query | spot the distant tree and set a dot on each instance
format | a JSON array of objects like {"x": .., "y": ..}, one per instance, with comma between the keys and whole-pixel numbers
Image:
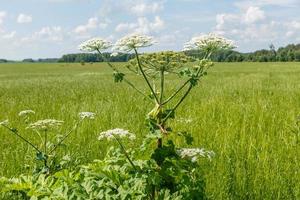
[
  {"x": 297, "y": 55},
  {"x": 28, "y": 60}
]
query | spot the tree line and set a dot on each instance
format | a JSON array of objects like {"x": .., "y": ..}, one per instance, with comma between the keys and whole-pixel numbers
[
  {"x": 283, "y": 54},
  {"x": 288, "y": 53}
]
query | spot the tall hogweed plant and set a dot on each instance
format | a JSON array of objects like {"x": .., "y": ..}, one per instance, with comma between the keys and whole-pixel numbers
[{"x": 157, "y": 169}]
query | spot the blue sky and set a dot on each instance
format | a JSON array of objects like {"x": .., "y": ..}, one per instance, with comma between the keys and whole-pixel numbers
[{"x": 50, "y": 28}]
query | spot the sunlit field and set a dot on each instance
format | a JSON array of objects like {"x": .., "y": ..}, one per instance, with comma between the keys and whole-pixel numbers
[{"x": 245, "y": 112}]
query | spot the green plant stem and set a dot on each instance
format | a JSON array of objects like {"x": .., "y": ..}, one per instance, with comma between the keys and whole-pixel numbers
[
  {"x": 182, "y": 98},
  {"x": 207, "y": 55},
  {"x": 22, "y": 138},
  {"x": 124, "y": 79},
  {"x": 45, "y": 142},
  {"x": 125, "y": 153},
  {"x": 162, "y": 84},
  {"x": 176, "y": 92},
  {"x": 128, "y": 82},
  {"x": 144, "y": 75},
  {"x": 65, "y": 136}
]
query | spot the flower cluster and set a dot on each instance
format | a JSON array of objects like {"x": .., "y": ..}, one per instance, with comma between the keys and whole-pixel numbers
[
  {"x": 209, "y": 43},
  {"x": 133, "y": 41},
  {"x": 195, "y": 153},
  {"x": 87, "y": 115},
  {"x": 26, "y": 112},
  {"x": 95, "y": 44},
  {"x": 116, "y": 133},
  {"x": 167, "y": 61},
  {"x": 45, "y": 124},
  {"x": 4, "y": 123}
]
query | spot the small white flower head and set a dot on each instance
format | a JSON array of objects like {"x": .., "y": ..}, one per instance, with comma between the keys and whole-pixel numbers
[
  {"x": 195, "y": 153},
  {"x": 95, "y": 44},
  {"x": 185, "y": 120},
  {"x": 114, "y": 54},
  {"x": 4, "y": 123},
  {"x": 133, "y": 41},
  {"x": 87, "y": 115},
  {"x": 209, "y": 43},
  {"x": 116, "y": 133},
  {"x": 25, "y": 113},
  {"x": 46, "y": 124}
]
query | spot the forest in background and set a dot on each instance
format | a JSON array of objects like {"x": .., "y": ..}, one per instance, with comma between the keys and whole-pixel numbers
[{"x": 289, "y": 53}]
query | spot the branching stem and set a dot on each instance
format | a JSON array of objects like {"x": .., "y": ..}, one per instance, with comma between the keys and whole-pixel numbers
[{"x": 144, "y": 75}]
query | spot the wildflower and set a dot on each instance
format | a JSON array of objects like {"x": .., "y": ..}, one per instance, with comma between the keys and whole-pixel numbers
[
  {"x": 88, "y": 115},
  {"x": 26, "y": 112},
  {"x": 4, "y": 123},
  {"x": 183, "y": 120},
  {"x": 45, "y": 124},
  {"x": 195, "y": 153},
  {"x": 209, "y": 43},
  {"x": 119, "y": 133},
  {"x": 95, "y": 44},
  {"x": 114, "y": 54},
  {"x": 133, "y": 41}
]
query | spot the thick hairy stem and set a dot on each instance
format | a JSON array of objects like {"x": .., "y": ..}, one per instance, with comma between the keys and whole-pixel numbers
[
  {"x": 159, "y": 143},
  {"x": 125, "y": 153},
  {"x": 144, "y": 76}
]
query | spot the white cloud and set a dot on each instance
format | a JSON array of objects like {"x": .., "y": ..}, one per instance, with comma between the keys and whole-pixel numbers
[
  {"x": 2, "y": 16},
  {"x": 292, "y": 29},
  {"x": 145, "y": 8},
  {"x": 143, "y": 25},
  {"x": 227, "y": 22},
  {"x": 23, "y": 18},
  {"x": 224, "y": 20},
  {"x": 10, "y": 35},
  {"x": 282, "y": 3},
  {"x": 92, "y": 24},
  {"x": 252, "y": 29},
  {"x": 53, "y": 33},
  {"x": 254, "y": 14}
]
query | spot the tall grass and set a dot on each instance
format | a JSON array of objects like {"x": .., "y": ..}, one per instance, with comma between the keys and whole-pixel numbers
[{"x": 242, "y": 111}]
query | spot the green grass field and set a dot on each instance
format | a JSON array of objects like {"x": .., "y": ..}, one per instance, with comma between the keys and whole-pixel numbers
[{"x": 243, "y": 111}]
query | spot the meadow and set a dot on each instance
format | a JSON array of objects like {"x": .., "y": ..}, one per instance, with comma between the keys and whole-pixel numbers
[{"x": 244, "y": 112}]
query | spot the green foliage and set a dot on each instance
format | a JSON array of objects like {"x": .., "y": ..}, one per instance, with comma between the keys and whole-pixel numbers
[
  {"x": 282, "y": 54},
  {"x": 113, "y": 178},
  {"x": 118, "y": 77},
  {"x": 91, "y": 57},
  {"x": 242, "y": 112}
]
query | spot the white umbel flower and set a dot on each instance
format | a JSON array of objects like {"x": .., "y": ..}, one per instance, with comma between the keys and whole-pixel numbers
[
  {"x": 118, "y": 132},
  {"x": 95, "y": 44},
  {"x": 195, "y": 153},
  {"x": 87, "y": 115},
  {"x": 209, "y": 43},
  {"x": 26, "y": 112},
  {"x": 4, "y": 123},
  {"x": 114, "y": 54},
  {"x": 45, "y": 124},
  {"x": 133, "y": 41}
]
